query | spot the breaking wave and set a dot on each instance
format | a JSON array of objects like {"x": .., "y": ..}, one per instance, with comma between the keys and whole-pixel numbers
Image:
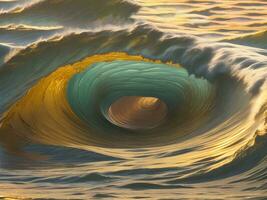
[{"x": 141, "y": 100}]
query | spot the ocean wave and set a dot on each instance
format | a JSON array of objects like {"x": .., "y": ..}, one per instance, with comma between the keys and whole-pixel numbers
[
  {"x": 6, "y": 5},
  {"x": 23, "y": 35},
  {"x": 204, "y": 60},
  {"x": 256, "y": 40},
  {"x": 134, "y": 97},
  {"x": 60, "y": 13},
  {"x": 4, "y": 50},
  {"x": 216, "y": 62}
]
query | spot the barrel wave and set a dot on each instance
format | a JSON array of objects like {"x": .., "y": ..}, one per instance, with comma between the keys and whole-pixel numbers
[{"x": 91, "y": 108}]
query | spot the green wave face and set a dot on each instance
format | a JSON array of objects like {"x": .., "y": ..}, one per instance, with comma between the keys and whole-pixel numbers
[{"x": 169, "y": 90}]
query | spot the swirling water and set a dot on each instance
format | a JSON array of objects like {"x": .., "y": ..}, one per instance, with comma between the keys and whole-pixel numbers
[{"x": 140, "y": 99}]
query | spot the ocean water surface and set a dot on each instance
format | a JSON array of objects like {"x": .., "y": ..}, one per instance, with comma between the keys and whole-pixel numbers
[{"x": 115, "y": 99}]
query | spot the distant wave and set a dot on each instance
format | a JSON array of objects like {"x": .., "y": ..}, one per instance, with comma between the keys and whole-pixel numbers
[
  {"x": 21, "y": 35},
  {"x": 58, "y": 13},
  {"x": 8, "y": 5},
  {"x": 257, "y": 40}
]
